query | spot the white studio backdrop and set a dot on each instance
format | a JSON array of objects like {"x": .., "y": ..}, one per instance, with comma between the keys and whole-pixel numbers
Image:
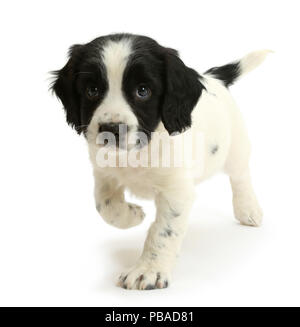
[{"x": 56, "y": 250}]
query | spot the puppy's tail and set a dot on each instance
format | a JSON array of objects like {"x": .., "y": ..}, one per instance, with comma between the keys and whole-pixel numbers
[{"x": 229, "y": 73}]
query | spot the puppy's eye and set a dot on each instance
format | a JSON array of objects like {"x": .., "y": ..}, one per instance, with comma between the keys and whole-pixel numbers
[
  {"x": 92, "y": 92},
  {"x": 142, "y": 92}
]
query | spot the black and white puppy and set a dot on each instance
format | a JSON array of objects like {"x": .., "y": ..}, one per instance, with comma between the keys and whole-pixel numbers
[{"x": 132, "y": 82}]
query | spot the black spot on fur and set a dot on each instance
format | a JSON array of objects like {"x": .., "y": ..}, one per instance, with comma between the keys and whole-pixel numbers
[
  {"x": 227, "y": 73},
  {"x": 167, "y": 232},
  {"x": 107, "y": 202},
  {"x": 174, "y": 213},
  {"x": 153, "y": 255},
  {"x": 214, "y": 149},
  {"x": 150, "y": 287}
]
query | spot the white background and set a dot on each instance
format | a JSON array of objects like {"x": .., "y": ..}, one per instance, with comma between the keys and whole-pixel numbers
[{"x": 56, "y": 250}]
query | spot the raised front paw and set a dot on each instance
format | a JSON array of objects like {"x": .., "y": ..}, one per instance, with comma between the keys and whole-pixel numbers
[
  {"x": 135, "y": 215},
  {"x": 144, "y": 278},
  {"x": 121, "y": 214}
]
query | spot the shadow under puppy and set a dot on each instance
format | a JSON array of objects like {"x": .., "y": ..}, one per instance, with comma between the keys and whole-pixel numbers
[{"x": 132, "y": 81}]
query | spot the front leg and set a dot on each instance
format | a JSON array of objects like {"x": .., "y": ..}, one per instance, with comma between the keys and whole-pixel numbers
[
  {"x": 111, "y": 204},
  {"x": 164, "y": 239}
]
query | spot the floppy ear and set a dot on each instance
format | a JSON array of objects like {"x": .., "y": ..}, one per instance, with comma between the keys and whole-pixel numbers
[
  {"x": 64, "y": 88},
  {"x": 183, "y": 90}
]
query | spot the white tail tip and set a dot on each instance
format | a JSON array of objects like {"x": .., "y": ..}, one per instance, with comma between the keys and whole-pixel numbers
[{"x": 252, "y": 60}]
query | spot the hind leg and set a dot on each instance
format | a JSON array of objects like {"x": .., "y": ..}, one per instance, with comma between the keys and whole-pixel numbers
[{"x": 246, "y": 207}]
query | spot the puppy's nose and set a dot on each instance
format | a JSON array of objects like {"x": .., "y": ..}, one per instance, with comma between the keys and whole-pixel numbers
[
  {"x": 118, "y": 130},
  {"x": 111, "y": 127}
]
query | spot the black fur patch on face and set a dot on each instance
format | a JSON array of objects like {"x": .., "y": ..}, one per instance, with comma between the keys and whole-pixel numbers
[
  {"x": 145, "y": 67},
  {"x": 227, "y": 73},
  {"x": 84, "y": 69},
  {"x": 175, "y": 88}
]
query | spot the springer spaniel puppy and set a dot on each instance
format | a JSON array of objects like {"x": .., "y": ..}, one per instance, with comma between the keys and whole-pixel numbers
[{"x": 130, "y": 83}]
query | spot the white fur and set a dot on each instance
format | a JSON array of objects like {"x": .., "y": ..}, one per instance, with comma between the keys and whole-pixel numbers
[
  {"x": 217, "y": 117},
  {"x": 114, "y": 107},
  {"x": 252, "y": 60}
]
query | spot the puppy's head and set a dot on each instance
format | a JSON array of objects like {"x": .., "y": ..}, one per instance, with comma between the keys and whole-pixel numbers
[{"x": 126, "y": 82}]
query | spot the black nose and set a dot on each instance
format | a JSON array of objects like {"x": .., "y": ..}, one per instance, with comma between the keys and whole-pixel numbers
[
  {"x": 111, "y": 127},
  {"x": 118, "y": 130}
]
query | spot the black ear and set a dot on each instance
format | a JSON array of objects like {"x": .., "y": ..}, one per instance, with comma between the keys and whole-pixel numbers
[
  {"x": 65, "y": 89},
  {"x": 183, "y": 90}
]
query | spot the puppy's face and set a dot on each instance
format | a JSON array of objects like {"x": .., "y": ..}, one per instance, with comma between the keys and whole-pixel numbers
[{"x": 126, "y": 83}]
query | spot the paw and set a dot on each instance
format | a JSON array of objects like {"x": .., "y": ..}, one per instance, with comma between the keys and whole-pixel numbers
[
  {"x": 135, "y": 215},
  {"x": 144, "y": 278},
  {"x": 121, "y": 214},
  {"x": 247, "y": 211}
]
